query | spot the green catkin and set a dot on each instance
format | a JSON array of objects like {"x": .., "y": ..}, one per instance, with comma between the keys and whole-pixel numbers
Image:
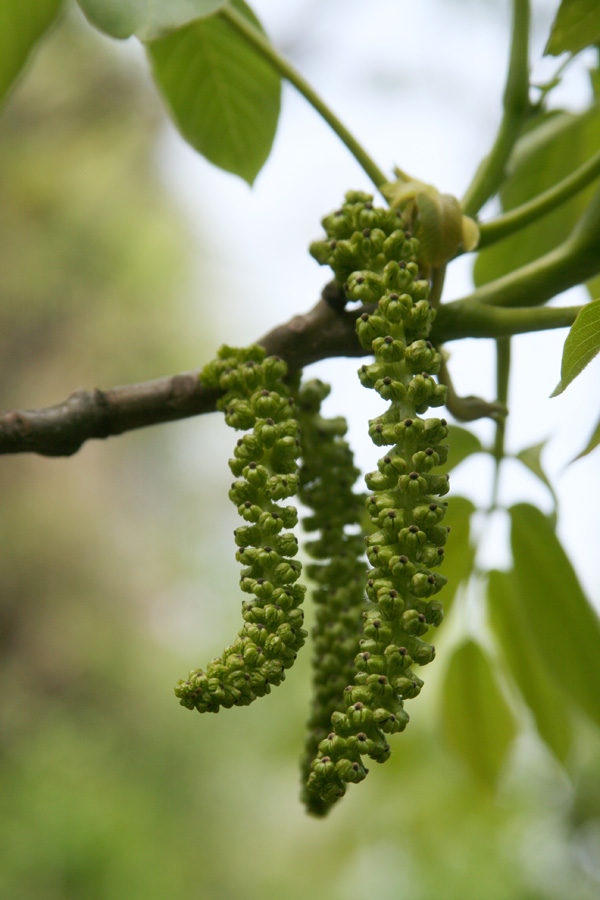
[
  {"x": 375, "y": 258},
  {"x": 265, "y": 464},
  {"x": 327, "y": 476}
]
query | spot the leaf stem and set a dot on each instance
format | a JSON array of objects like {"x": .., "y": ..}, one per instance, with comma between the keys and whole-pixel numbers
[
  {"x": 268, "y": 52},
  {"x": 490, "y": 174},
  {"x": 502, "y": 379},
  {"x": 468, "y": 318},
  {"x": 522, "y": 215}
]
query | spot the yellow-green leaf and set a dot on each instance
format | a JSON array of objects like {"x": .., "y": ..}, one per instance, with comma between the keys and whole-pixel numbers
[
  {"x": 147, "y": 19},
  {"x": 581, "y": 346},
  {"x": 591, "y": 444},
  {"x": 22, "y": 23},
  {"x": 577, "y": 25},
  {"x": 477, "y": 720},
  {"x": 559, "y": 620},
  {"x": 522, "y": 658},
  {"x": 532, "y": 458},
  {"x": 460, "y": 551},
  {"x": 462, "y": 443},
  {"x": 223, "y": 96}
]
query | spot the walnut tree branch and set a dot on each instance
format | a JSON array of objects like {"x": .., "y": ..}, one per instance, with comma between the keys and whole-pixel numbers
[
  {"x": 327, "y": 330},
  {"x": 60, "y": 430}
]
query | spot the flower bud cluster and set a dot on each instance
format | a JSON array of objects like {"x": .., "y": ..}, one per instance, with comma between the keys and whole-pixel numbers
[
  {"x": 408, "y": 537},
  {"x": 265, "y": 464},
  {"x": 327, "y": 476}
]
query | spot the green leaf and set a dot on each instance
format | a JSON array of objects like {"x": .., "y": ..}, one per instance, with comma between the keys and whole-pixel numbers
[
  {"x": 577, "y": 25},
  {"x": 22, "y": 23},
  {"x": 476, "y": 718},
  {"x": 223, "y": 96},
  {"x": 459, "y": 557},
  {"x": 557, "y": 145},
  {"x": 592, "y": 443},
  {"x": 147, "y": 19},
  {"x": 505, "y": 604},
  {"x": 560, "y": 622},
  {"x": 531, "y": 457},
  {"x": 462, "y": 443},
  {"x": 581, "y": 346}
]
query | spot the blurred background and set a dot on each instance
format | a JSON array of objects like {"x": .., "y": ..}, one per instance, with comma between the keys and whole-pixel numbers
[{"x": 124, "y": 257}]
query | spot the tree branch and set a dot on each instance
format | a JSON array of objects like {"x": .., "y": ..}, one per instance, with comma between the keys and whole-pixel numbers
[
  {"x": 328, "y": 330},
  {"x": 60, "y": 430}
]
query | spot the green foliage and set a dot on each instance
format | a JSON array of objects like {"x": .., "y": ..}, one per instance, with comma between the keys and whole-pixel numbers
[
  {"x": 548, "y": 703},
  {"x": 254, "y": 396},
  {"x": 459, "y": 557},
  {"x": 557, "y": 616},
  {"x": 147, "y": 19},
  {"x": 22, "y": 23},
  {"x": 223, "y": 96},
  {"x": 90, "y": 747},
  {"x": 554, "y": 145},
  {"x": 531, "y": 457},
  {"x": 592, "y": 443},
  {"x": 581, "y": 346},
  {"x": 577, "y": 25},
  {"x": 476, "y": 719},
  {"x": 463, "y": 443}
]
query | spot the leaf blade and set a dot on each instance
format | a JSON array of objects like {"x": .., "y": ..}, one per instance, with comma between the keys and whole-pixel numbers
[
  {"x": 509, "y": 626},
  {"x": 477, "y": 720},
  {"x": 22, "y": 24},
  {"x": 563, "y": 626},
  {"x": 224, "y": 98},
  {"x": 145, "y": 19},
  {"x": 577, "y": 25},
  {"x": 581, "y": 345},
  {"x": 591, "y": 444},
  {"x": 462, "y": 443},
  {"x": 459, "y": 558},
  {"x": 531, "y": 457}
]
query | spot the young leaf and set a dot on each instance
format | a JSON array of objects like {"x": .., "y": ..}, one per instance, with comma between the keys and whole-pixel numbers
[
  {"x": 577, "y": 25},
  {"x": 460, "y": 551},
  {"x": 522, "y": 658},
  {"x": 22, "y": 23},
  {"x": 463, "y": 443},
  {"x": 560, "y": 622},
  {"x": 555, "y": 147},
  {"x": 581, "y": 346},
  {"x": 147, "y": 19},
  {"x": 476, "y": 719},
  {"x": 531, "y": 457},
  {"x": 223, "y": 96},
  {"x": 591, "y": 444}
]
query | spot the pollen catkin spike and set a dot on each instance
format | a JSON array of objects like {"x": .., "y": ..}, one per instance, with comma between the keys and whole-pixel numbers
[
  {"x": 407, "y": 538},
  {"x": 327, "y": 477},
  {"x": 264, "y": 464}
]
